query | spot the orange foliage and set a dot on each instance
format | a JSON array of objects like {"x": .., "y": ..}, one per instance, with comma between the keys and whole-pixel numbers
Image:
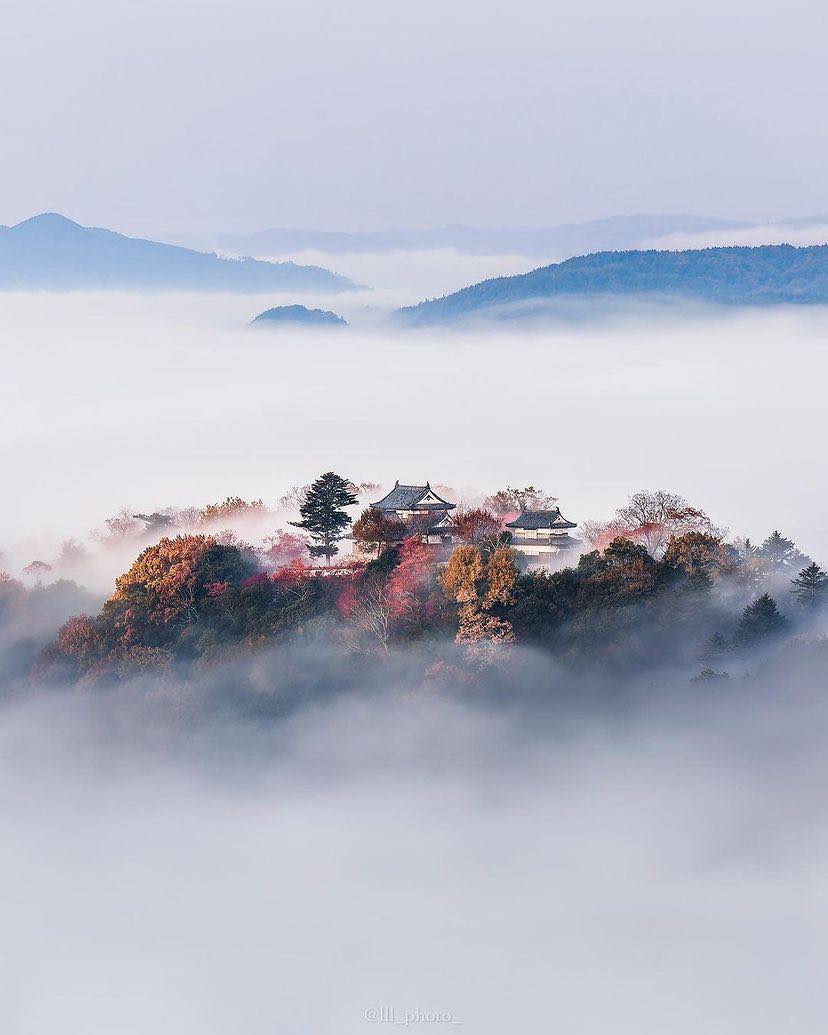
[
  {"x": 460, "y": 576},
  {"x": 168, "y": 582}
]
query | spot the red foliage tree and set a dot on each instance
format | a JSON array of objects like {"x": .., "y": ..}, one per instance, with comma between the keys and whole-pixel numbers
[
  {"x": 476, "y": 527},
  {"x": 373, "y": 530},
  {"x": 409, "y": 581},
  {"x": 651, "y": 519},
  {"x": 284, "y": 548},
  {"x": 290, "y": 574}
]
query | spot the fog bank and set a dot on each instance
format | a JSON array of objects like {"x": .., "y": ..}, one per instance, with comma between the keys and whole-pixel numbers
[
  {"x": 145, "y": 402},
  {"x": 659, "y": 870}
]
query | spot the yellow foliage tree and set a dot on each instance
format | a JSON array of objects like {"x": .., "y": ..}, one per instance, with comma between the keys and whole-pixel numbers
[
  {"x": 477, "y": 585},
  {"x": 462, "y": 573}
]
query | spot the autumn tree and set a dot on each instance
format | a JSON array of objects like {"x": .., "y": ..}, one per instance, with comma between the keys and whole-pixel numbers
[
  {"x": 478, "y": 585},
  {"x": 119, "y": 528},
  {"x": 477, "y": 527},
  {"x": 369, "y": 610},
  {"x": 79, "y": 646},
  {"x": 167, "y": 586},
  {"x": 373, "y": 531},
  {"x": 810, "y": 587},
  {"x": 411, "y": 575},
  {"x": 230, "y": 509},
  {"x": 508, "y": 501},
  {"x": 187, "y": 518},
  {"x": 322, "y": 515},
  {"x": 293, "y": 498},
  {"x": 651, "y": 518},
  {"x": 702, "y": 557},
  {"x": 463, "y": 574},
  {"x": 500, "y": 578},
  {"x": 284, "y": 548}
]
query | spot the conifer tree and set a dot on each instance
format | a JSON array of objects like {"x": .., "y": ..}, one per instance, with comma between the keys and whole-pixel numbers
[
  {"x": 715, "y": 647},
  {"x": 781, "y": 554},
  {"x": 322, "y": 515},
  {"x": 810, "y": 586},
  {"x": 759, "y": 620}
]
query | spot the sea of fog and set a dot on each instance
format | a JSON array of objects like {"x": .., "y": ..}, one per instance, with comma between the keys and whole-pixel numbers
[
  {"x": 114, "y": 400},
  {"x": 396, "y": 858},
  {"x": 405, "y": 861}
]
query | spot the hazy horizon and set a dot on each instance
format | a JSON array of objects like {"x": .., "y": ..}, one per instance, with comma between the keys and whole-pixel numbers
[
  {"x": 184, "y": 117},
  {"x": 270, "y": 762}
]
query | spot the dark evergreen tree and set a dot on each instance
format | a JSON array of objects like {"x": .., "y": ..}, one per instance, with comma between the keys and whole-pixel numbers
[
  {"x": 810, "y": 586},
  {"x": 322, "y": 515},
  {"x": 759, "y": 620},
  {"x": 715, "y": 647},
  {"x": 781, "y": 554}
]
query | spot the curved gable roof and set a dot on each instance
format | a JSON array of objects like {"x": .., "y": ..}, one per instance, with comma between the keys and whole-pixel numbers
[
  {"x": 408, "y": 497},
  {"x": 541, "y": 519}
]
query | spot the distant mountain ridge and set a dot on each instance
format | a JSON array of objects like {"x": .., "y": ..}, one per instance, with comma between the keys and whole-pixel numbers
[
  {"x": 764, "y": 275},
  {"x": 615, "y": 232},
  {"x": 51, "y": 252}
]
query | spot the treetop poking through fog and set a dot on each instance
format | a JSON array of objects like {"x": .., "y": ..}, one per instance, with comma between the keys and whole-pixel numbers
[{"x": 656, "y": 586}]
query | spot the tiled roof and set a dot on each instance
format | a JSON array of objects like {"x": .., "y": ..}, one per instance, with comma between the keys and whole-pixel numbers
[
  {"x": 420, "y": 524},
  {"x": 563, "y": 542},
  {"x": 407, "y": 497},
  {"x": 541, "y": 519}
]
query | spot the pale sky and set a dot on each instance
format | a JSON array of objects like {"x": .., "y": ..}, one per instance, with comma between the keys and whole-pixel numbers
[{"x": 188, "y": 116}]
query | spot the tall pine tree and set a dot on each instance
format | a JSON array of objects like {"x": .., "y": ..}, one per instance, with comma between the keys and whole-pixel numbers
[
  {"x": 322, "y": 515},
  {"x": 810, "y": 586}
]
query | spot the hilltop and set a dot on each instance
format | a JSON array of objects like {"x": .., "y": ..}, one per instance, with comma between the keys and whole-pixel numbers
[
  {"x": 54, "y": 253},
  {"x": 298, "y": 315},
  {"x": 767, "y": 275}
]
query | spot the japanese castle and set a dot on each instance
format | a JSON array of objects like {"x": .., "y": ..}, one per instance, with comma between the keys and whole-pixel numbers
[
  {"x": 418, "y": 509},
  {"x": 537, "y": 534}
]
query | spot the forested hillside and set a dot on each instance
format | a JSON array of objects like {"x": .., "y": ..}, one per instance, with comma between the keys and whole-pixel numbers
[{"x": 769, "y": 275}]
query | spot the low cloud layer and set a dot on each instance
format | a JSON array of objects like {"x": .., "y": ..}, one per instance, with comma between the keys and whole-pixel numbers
[
  {"x": 641, "y": 867},
  {"x": 798, "y": 233},
  {"x": 166, "y": 400}
]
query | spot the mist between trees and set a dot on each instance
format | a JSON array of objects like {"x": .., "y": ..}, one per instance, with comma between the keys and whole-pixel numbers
[
  {"x": 655, "y": 588},
  {"x": 484, "y": 781}
]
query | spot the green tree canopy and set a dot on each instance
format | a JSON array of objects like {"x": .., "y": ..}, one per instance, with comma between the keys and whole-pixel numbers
[
  {"x": 759, "y": 620},
  {"x": 322, "y": 515},
  {"x": 810, "y": 585}
]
